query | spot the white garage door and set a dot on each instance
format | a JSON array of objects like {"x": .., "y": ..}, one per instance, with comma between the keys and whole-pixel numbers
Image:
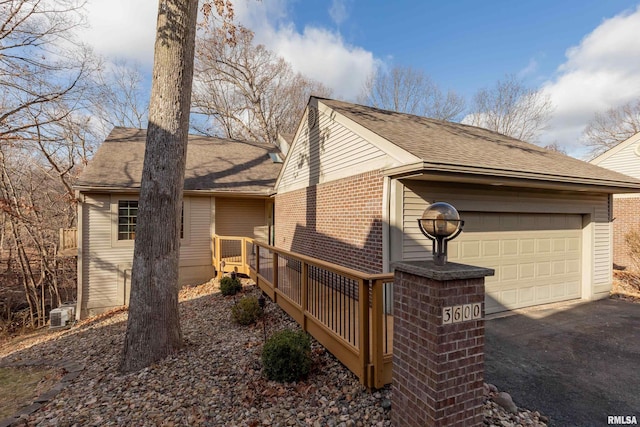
[{"x": 536, "y": 257}]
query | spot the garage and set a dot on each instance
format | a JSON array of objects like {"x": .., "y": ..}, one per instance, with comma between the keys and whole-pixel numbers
[
  {"x": 539, "y": 242},
  {"x": 536, "y": 257}
]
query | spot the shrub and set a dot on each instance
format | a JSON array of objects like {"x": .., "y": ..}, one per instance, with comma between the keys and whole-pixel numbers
[
  {"x": 286, "y": 356},
  {"x": 230, "y": 285},
  {"x": 246, "y": 311}
]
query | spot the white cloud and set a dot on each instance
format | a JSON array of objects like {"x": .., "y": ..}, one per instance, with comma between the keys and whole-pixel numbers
[
  {"x": 319, "y": 53},
  {"x": 324, "y": 56},
  {"x": 123, "y": 29},
  {"x": 602, "y": 72}
]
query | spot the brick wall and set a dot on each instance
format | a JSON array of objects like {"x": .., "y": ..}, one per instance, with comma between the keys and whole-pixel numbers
[
  {"x": 626, "y": 212},
  {"x": 438, "y": 369},
  {"x": 339, "y": 221}
]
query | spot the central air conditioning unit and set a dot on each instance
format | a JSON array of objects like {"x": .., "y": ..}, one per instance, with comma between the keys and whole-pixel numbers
[{"x": 62, "y": 316}]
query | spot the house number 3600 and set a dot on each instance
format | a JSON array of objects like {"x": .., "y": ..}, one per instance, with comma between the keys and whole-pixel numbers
[{"x": 461, "y": 313}]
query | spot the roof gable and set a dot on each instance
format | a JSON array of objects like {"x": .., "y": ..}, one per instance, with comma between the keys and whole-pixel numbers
[
  {"x": 623, "y": 158},
  {"x": 457, "y": 147},
  {"x": 213, "y": 164},
  {"x": 328, "y": 146}
]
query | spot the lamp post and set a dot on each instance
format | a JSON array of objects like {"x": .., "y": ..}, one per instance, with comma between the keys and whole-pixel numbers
[{"x": 440, "y": 222}]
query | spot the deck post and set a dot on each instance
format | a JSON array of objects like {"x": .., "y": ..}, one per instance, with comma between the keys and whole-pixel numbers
[
  {"x": 243, "y": 256},
  {"x": 218, "y": 256},
  {"x": 377, "y": 338},
  {"x": 438, "y": 344},
  {"x": 364, "y": 330}
]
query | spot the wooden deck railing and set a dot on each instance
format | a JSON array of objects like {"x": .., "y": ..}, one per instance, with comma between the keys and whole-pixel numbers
[
  {"x": 68, "y": 244},
  {"x": 346, "y": 310},
  {"x": 229, "y": 254}
]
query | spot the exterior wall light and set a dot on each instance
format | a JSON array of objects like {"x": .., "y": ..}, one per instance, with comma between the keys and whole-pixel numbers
[{"x": 440, "y": 222}]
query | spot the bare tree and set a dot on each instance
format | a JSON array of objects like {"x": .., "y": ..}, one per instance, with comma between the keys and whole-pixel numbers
[
  {"x": 407, "y": 90},
  {"x": 555, "y": 146},
  {"x": 34, "y": 67},
  {"x": 119, "y": 98},
  {"x": 511, "y": 108},
  {"x": 35, "y": 203},
  {"x": 43, "y": 85},
  {"x": 247, "y": 91},
  {"x": 608, "y": 129},
  {"x": 153, "y": 326}
]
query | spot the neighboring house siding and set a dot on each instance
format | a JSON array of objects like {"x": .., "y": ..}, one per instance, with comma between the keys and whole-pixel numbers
[
  {"x": 626, "y": 214},
  {"x": 106, "y": 262},
  {"x": 626, "y": 207},
  {"x": 339, "y": 221},
  {"x": 594, "y": 209},
  {"x": 324, "y": 151},
  {"x": 626, "y": 161}
]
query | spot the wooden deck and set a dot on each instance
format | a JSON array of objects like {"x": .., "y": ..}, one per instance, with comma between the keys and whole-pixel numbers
[{"x": 344, "y": 309}]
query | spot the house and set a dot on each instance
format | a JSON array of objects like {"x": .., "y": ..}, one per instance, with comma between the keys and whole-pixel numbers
[
  {"x": 227, "y": 190},
  {"x": 623, "y": 158},
  {"x": 356, "y": 179}
]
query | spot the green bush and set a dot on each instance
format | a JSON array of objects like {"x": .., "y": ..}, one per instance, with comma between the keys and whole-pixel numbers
[
  {"x": 230, "y": 285},
  {"x": 286, "y": 356},
  {"x": 246, "y": 311}
]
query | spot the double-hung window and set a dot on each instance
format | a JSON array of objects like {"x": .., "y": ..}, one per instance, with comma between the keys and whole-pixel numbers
[
  {"x": 127, "y": 218},
  {"x": 127, "y": 213}
]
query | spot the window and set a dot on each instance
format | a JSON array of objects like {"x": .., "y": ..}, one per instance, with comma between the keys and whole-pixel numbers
[{"x": 127, "y": 217}]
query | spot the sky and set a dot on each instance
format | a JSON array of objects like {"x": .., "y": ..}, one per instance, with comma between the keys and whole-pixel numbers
[{"x": 584, "y": 54}]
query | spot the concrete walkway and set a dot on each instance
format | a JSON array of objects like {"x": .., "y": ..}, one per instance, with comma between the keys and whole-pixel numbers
[{"x": 575, "y": 363}]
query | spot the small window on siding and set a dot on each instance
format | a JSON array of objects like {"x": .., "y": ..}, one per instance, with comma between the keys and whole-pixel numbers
[{"x": 127, "y": 218}]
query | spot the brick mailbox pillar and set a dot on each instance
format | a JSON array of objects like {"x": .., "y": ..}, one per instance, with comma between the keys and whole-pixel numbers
[{"x": 438, "y": 344}]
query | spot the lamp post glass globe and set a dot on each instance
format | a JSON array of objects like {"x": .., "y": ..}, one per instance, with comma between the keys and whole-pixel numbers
[
  {"x": 440, "y": 222},
  {"x": 440, "y": 219}
]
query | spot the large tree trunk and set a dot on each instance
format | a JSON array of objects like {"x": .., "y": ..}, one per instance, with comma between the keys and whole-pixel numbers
[{"x": 153, "y": 328}]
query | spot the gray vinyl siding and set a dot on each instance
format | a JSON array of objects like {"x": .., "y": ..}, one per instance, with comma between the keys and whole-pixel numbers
[
  {"x": 593, "y": 206},
  {"x": 106, "y": 262},
  {"x": 327, "y": 152},
  {"x": 603, "y": 247},
  {"x": 100, "y": 259},
  {"x": 196, "y": 250},
  {"x": 625, "y": 161}
]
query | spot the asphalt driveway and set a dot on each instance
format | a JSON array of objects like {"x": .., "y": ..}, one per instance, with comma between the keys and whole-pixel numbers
[{"x": 577, "y": 364}]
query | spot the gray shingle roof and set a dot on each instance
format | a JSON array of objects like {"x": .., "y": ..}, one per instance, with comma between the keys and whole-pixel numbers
[
  {"x": 213, "y": 164},
  {"x": 443, "y": 143}
]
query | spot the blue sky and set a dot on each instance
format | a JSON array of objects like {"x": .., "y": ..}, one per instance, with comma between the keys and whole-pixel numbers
[
  {"x": 584, "y": 54},
  {"x": 466, "y": 44}
]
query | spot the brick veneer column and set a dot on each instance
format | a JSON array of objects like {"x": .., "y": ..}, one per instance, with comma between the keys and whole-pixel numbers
[{"x": 438, "y": 369}]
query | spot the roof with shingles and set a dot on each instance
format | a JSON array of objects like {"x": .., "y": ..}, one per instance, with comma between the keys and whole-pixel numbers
[
  {"x": 213, "y": 164},
  {"x": 444, "y": 143}
]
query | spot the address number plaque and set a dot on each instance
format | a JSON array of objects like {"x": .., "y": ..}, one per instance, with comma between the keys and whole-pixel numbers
[{"x": 461, "y": 313}]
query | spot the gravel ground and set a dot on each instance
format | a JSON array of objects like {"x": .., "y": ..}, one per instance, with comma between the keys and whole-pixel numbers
[{"x": 215, "y": 380}]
